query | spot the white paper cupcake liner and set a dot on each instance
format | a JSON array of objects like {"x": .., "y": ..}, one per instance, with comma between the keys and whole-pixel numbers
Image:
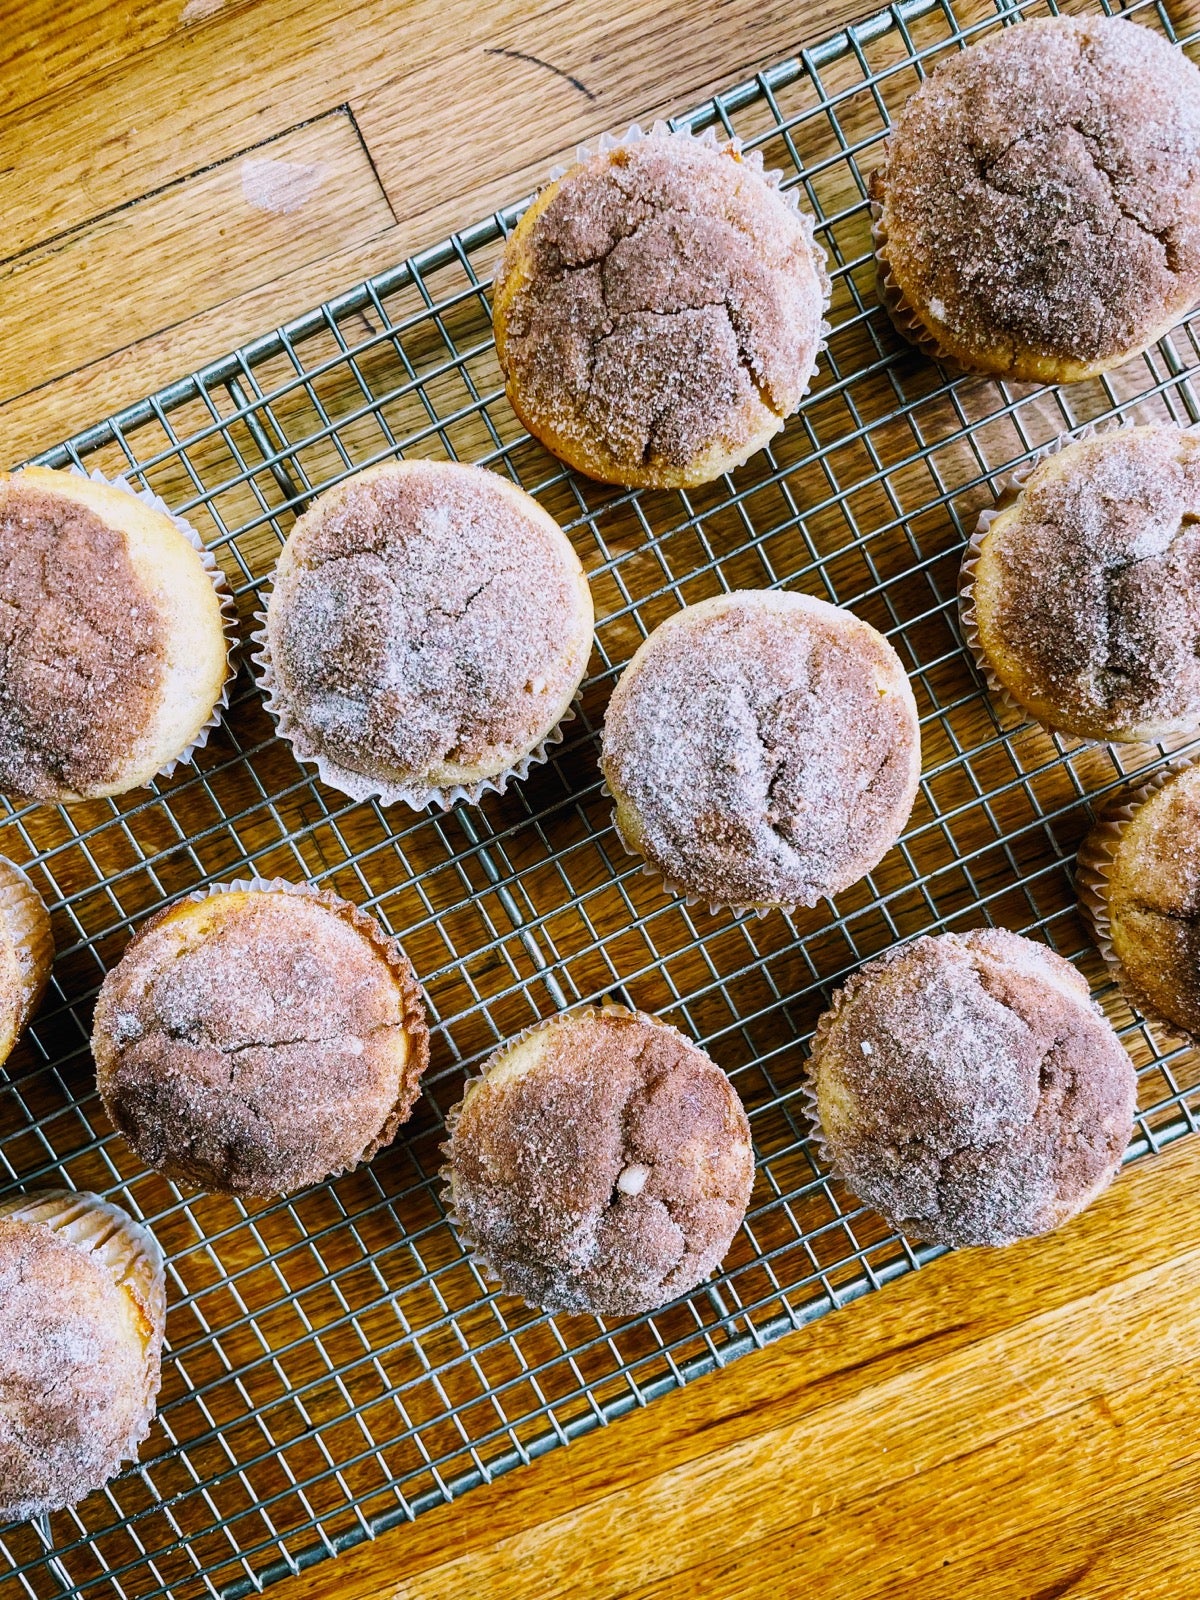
[
  {"x": 27, "y": 924},
  {"x": 360, "y": 786},
  {"x": 1008, "y": 487},
  {"x": 414, "y": 1020},
  {"x": 903, "y": 318},
  {"x": 126, "y": 1249},
  {"x": 808, "y": 1086},
  {"x": 753, "y": 159},
  {"x": 1093, "y": 870},
  {"x": 128, "y": 1252},
  {"x": 224, "y": 598}
]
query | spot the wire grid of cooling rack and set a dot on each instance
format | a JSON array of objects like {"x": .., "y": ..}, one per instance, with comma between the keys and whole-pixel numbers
[{"x": 336, "y": 1364}]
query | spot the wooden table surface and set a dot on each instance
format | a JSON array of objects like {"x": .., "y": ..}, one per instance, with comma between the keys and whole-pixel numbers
[{"x": 178, "y": 175}]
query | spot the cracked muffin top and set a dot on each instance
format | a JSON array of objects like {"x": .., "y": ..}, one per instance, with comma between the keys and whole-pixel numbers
[
  {"x": 1146, "y": 879},
  {"x": 602, "y": 1163},
  {"x": 1040, "y": 199},
  {"x": 658, "y": 312},
  {"x": 763, "y": 749},
  {"x": 259, "y": 1039},
  {"x": 428, "y": 628},
  {"x": 1086, "y": 587},
  {"x": 970, "y": 1090},
  {"x": 112, "y": 646}
]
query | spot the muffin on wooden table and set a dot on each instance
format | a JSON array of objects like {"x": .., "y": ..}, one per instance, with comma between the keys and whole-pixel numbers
[
  {"x": 112, "y": 641},
  {"x": 1139, "y": 883},
  {"x": 1038, "y": 206},
  {"x": 259, "y": 1037},
  {"x": 1081, "y": 595},
  {"x": 82, "y": 1314},
  {"x": 659, "y": 310},
  {"x": 763, "y": 749},
  {"x": 26, "y": 954},
  {"x": 427, "y": 631},
  {"x": 969, "y": 1089},
  {"x": 601, "y": 1163}
]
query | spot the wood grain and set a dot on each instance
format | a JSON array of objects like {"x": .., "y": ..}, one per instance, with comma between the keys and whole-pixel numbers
[
  {"x": 87, "y": 38},
  {"x": 1015, "y": 1425},
  {"x": 292, "y": 201},
  {"x": 425, "y": 103}
]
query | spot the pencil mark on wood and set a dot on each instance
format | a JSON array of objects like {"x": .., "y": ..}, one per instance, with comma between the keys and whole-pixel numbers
[{"x": 520, "y": 55}]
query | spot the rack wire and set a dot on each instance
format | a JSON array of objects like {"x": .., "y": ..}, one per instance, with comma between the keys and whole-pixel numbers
[{"x": 336, "y": 1363}]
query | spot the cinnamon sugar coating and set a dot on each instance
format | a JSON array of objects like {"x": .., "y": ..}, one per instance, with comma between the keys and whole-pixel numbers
[
  {"x": 1040, "y": 198},
  {"x": 601, "y": 1164},
  {"x": 1153, "y": 901},
  {"x": 658, "y": 312},
  {"x": 428, "y": 627},
  {"x": 970, "y": 1090},
  {"x": 1087, "y": 588},
  {"x": 254, "y": 1041},
  {"x": 82, "y": 646},
  {"x": 763, "y": 749},
  {"x": 79, "y": 1369}
]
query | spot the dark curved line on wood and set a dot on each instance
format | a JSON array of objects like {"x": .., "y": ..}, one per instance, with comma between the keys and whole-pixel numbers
[{"x": 520, "y": 55}]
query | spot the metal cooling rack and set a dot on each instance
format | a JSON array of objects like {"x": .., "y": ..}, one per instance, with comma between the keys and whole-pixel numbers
[{"x": 336, "y": 1364}]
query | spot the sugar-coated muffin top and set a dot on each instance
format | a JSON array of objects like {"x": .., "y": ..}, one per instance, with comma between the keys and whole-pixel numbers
[
  {"x": 763, "y": 749},
  {"x": 82, "y": 645},
  {"x": 1087, "y": 594},
  {"x": 429, "y": 625},
  {"x": 970, "y": 1090},
  {"x": 254, "y": 1041},
  {"x": 602, "y": 1164},
  {"x": 658, "y": 307},
  {"x": 78, "y": 1371},
  {"x": 1153, "y": 901},
  {"x": 1041, "y": 195}
]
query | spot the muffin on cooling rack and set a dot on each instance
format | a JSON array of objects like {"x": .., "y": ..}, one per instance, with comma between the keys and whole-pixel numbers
[
  {"x": 659, "y": 310},
  {"x": 112, "y": 641},
  {"x": 1081, "y": 596},
  {"x": 259, "y": 1037},
  {"x": 969, "y": 1089},
  {"x": 763, "y": 749},
  {"x": 82, "y": 1313},
  {"x": 26, "y": 954},
  {"x": 1038, "y": 206},
  {"x": 1139, "y": 883},
  {"x": 428, "y": 629},
  {"x": 601, "y": 1163}
]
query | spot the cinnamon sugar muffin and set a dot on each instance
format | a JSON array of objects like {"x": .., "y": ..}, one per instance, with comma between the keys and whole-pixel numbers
[
  {"x": 427, "y": 631},
  {"x": 1085, "y": 589},
  {"x": 601, "y": 1163},
  {"x": 970, "y": 1090},
  {"x": 112, "y": 644},
  {"x": 763, "y": 749},
  {"x": 259, "y": 1038},
  {"x": 1139, "y": 882},
  {"x": 1039, "y": 200},
  {"x": 26, "y": 954},
  {"x": 82, "y": 1312},
  {"x": 658, "y": 311}
]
